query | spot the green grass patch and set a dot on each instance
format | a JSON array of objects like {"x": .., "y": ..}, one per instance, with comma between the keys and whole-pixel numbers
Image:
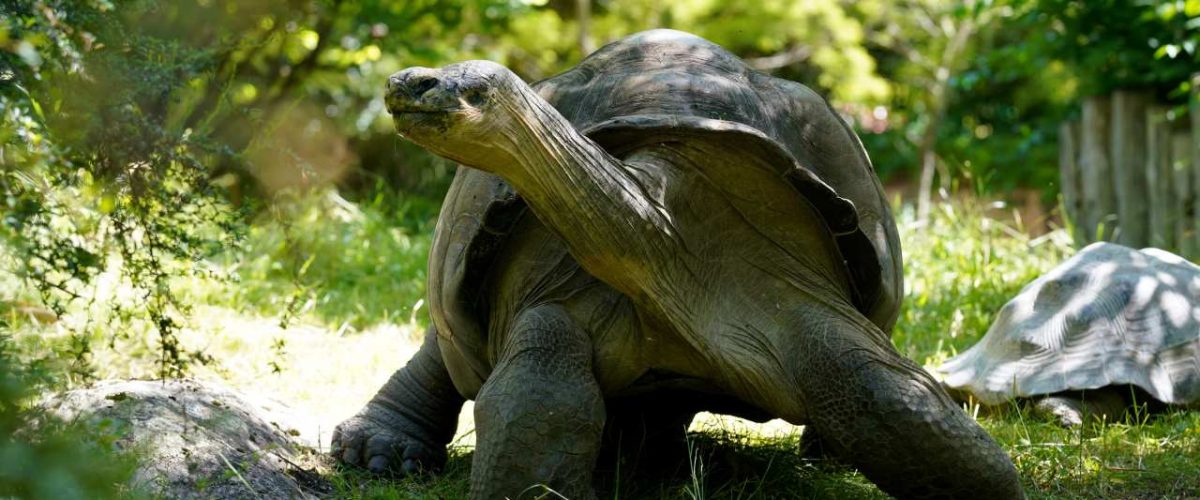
[
  {"x": 1154, "y": 456},
  {"x": 320, "y": 257},
  {"x": 960, "y": 268}
]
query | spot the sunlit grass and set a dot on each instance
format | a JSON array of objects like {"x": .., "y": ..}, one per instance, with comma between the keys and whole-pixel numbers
[
  {"x": 353, "y": 275},
  {"x": 345, "y": 265},
  {"x": 960, "y": 267}
]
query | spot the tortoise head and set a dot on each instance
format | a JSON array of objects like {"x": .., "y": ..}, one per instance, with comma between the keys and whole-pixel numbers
[{"x": 467, "y": 112}]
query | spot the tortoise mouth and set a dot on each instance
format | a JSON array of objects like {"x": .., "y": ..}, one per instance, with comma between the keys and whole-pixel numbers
[
  {"x": 410, "y": 120},
  {"x": 399, "y": 111},
  {"x": 399, "y": 104}
]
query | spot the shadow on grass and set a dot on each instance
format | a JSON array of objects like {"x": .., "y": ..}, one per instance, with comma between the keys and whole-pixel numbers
[
  {"x": 732, "y": 465},
  {"x": 1152, "y": 456},
  {"x": 723, "y": 466}
]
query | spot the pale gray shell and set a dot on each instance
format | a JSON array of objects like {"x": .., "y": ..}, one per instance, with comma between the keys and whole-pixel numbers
[{"x": 1110, "y": 315}]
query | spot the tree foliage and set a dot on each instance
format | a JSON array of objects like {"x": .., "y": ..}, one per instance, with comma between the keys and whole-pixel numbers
[
  {"x": 1020, "y": 74},
  {"x": 1119, "y": 43},
  {"x": 138, "y": 133}
]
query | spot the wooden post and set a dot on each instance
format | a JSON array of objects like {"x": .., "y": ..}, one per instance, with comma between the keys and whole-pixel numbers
[
  {"x": 1097, "y": 194},
  {"x": 1070, "y": 179},
  {"x": 1194, "y": 110},
  {"x": 1129, "y": 167},
  {"x": 1184, "y": 191},
  {"x": 1159, "y": 179}
]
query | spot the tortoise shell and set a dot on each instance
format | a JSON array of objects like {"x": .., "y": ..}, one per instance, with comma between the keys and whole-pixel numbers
[
  {"x": 1110, "y": 315},
  {"x": 665, "y": 85}
]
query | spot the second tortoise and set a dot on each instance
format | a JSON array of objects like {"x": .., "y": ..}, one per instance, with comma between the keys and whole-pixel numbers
[{"x": 1110, "y": 327}]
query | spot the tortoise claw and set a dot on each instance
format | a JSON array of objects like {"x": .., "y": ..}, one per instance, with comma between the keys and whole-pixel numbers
[{"x": 385, "y": 444}]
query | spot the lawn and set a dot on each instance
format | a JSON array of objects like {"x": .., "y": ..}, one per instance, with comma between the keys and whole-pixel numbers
[{"x": 324, "y": 301}]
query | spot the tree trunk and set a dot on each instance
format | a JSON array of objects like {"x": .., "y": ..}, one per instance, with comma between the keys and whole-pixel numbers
[
  {"x": 1097, "y": 194},
  {"x": 928, "y": 166},
  {"x": 1128, "y": 163},
  {"x": 583, "y": 11},
  {"x": 937, "y": 111},
  {"x": 1159, "y": 179},
  {"x": 1068, "y": 169}
]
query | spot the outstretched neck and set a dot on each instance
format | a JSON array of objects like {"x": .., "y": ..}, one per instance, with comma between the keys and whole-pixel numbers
[
  {"x": 546, "y": 145},
  {"x": 588, "y": 197}
]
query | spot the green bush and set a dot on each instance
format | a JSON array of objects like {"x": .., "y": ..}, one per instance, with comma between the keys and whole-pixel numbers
[{"x": 42, "y": 458}]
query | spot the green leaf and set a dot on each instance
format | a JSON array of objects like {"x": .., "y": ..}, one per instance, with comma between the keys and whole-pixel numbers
[
  {"x": 108, "y": 203},
  {"x": 37, "y": 108},
  {"x": 1192, "y": 8},
  {"x": 1169, "y": 50}
]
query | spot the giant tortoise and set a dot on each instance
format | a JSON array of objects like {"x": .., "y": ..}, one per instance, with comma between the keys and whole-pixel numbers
[
  {"x": 658, "y": 224},
  {"x": 1108, "y": 328}
]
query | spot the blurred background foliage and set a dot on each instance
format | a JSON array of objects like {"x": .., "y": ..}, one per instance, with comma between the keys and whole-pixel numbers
[
  {"x": 146, "y": 139},
  {"x": 148, "y": 144}
]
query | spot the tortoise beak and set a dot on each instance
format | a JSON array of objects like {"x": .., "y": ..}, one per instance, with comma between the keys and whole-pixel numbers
[{"x": 416, "y": 90}]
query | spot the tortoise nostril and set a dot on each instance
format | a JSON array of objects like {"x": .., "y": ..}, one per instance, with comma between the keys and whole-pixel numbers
[{"x": 422, "y": 85}]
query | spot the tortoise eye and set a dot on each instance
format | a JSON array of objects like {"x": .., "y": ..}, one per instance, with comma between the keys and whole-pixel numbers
[{"x": 475, "y": 97}]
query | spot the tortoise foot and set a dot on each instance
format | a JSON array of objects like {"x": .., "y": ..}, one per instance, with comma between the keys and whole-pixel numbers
[
  {"x": 404, "y": 429},
  {"x": 1070, "y": 410},
  {"x": 385, "y": 442}
]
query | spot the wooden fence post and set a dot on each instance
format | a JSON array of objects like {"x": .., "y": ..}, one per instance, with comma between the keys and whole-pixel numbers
[
  {"x": 1128, "y": 164},
  {"x": 1159, "y": 181},
  {"x": 1194, "y": 110},
  {"x": 1097, "y": 193},
  {"x": 1070, "y": 179},
  {"x": 1184, "y": 191}
]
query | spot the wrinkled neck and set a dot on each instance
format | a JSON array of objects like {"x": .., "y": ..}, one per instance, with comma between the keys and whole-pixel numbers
[
  {"x": 543, "y": 143},
  {"x": 582, "y": 193}
]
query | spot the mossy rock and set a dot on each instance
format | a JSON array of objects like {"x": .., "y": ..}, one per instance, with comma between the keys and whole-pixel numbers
[{"x": 198, "y": 439}]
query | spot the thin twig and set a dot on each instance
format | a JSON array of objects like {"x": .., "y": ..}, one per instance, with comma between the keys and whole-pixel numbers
[
  {"x": 297, "y": 467},
  {"x": 238, "y": 474},
  {"x": 783, "y": 59}
]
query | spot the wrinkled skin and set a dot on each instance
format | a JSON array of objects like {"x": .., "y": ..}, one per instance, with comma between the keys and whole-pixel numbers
[{"x": 736, "y": 285}]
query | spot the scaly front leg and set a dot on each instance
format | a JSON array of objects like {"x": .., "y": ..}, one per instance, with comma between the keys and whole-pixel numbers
[{"x": 540, "y": 415}]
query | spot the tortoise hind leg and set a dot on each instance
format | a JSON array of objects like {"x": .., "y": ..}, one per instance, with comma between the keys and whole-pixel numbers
[
  {"x": 1073, "y": 408},
  {"x": 540, "y": 414},
  {"x": 884, "y": 415}
]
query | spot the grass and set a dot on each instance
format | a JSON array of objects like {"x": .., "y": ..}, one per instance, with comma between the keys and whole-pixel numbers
[
  {"x": 344, "y": 265},
  {"x": 350, "y": 277}
]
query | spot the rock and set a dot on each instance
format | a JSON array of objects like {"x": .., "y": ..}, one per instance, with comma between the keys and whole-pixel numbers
[{"x": 198, "y": 439}]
